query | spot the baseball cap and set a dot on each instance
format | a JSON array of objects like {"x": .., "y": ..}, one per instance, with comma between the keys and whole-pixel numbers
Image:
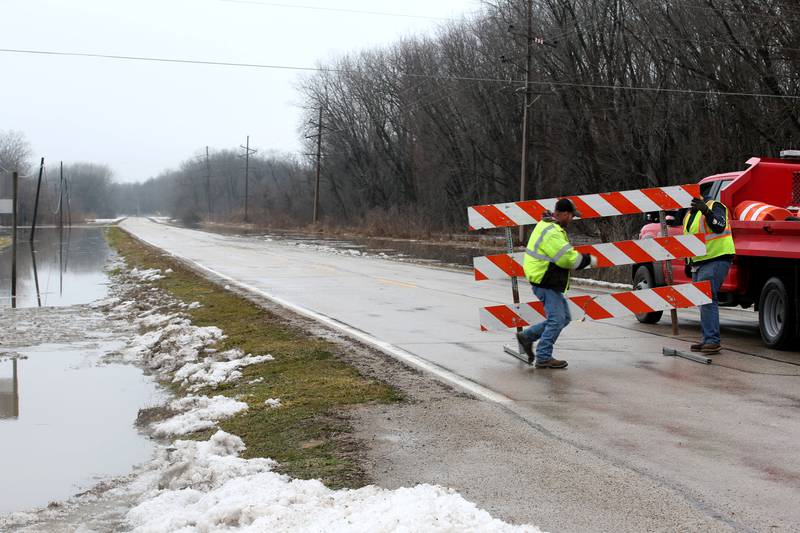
[{"x": 565, "y": 205}]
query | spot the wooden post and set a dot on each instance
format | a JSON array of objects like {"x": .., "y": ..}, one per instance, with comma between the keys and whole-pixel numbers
[
  {"x": 673, "y": 313},
  {"x": 14, "y": 241},
  {"x": 36, "y": 203}
]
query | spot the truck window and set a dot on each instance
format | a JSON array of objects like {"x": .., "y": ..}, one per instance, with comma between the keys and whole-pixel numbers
[{"x": 719, "y": 186}]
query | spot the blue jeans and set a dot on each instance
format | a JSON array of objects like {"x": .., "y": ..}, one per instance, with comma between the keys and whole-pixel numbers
[
  {"x": 547, "y": 332},
  {"x": 715, "y": 272}
]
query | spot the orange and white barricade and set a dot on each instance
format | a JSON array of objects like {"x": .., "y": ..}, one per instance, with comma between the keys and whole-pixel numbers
[
  {"x": 590, "y": 205},
  {"x": 502, "y": 266},
  {"x": 600, "y": 307},
  {"x": 510, "y": 265}
]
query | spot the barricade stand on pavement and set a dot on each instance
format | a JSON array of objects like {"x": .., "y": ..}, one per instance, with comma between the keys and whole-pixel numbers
[{"x": 519, "y": 315}]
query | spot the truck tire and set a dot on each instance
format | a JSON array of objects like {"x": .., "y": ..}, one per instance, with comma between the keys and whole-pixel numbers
[
  {"x": 643, "y": 279},
  {"x": 776, "y": 319}
]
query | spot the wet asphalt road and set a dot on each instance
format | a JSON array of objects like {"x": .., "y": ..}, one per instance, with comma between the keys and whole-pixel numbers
[{"x": 726, "y": 437}]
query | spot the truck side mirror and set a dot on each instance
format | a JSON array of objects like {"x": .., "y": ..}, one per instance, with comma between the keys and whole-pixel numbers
[
  {"x": 674, "y": 218},
  {"x": 650, "y": 218}
]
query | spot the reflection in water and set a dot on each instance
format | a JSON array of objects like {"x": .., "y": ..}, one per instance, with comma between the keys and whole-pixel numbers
[
  {"x": 58, "y": 270},
  {"x": 35, "y": 278},
  {"x": 9, "y": 393},
  {"x": 74, "y": 425}
]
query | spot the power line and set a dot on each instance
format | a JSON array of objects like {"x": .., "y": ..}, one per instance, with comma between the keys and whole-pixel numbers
[{"x": 412, "y": 75}]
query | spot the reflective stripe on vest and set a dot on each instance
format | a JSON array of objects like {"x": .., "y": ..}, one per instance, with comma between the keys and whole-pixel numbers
[
  {"x": 717, "y": 244},
  {"x": 547, "y": 235},
  {"x": 567, "y": 248}
]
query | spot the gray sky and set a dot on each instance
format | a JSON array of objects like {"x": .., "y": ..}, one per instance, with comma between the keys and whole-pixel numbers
[{"x": 142, "y": 118}]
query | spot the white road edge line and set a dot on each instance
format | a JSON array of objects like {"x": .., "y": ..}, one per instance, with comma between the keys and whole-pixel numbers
[{"x": 415, "y": 361}]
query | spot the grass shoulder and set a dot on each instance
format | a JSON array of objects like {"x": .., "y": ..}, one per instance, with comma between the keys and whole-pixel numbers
[{"x": 307, "y": 433}]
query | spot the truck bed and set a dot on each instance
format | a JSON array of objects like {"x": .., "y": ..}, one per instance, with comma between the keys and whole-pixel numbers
[{"x": 767, "y": 238}]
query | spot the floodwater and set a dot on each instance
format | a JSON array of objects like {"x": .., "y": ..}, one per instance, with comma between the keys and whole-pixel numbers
[
  {"x": 66, "y": 415},
  {"x": 418, "y": 251},
  {"x": 62, "y": 268},
  {"x": 70, "y": 424},
  {"x": 452, "y": 254}
]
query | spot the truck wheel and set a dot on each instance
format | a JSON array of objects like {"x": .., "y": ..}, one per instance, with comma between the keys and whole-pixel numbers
[
  {"x": 776, "y": 316},
  {"x": 643, "y": 279}
]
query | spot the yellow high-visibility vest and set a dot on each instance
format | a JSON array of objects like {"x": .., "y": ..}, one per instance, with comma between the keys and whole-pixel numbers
[
  {"x": 717, "y": 244},
  {"x": 548, "y": 244}
]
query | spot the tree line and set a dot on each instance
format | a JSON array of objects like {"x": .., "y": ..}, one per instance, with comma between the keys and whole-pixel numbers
[{"x": 625, "y": 94}]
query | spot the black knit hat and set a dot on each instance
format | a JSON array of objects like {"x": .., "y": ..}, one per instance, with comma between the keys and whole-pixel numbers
[{"x": 565, "y": 205}]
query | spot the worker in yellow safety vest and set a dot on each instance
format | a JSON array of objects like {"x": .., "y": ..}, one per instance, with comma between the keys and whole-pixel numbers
[
  {"x": 710, "y": 218},
  {"x": 548, "y": 261}
]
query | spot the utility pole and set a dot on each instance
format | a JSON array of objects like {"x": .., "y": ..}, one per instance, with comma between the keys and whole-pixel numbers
[
  {"x": 247, "y": 152},
  {"x": 36, "y": 203},
  {"x": 208, "y": 184},
  {"x": 319, "y": 165},
  {"x": 523, "y": 175},
  {"x": 246, "y": 174}
]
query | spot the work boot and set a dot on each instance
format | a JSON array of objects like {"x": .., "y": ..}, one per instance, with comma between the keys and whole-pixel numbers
[
  {"x": 527, "y": 345},
  {"x": 551, "y": 363},
  {"x": 697, "y": 347},
  {"x": 711, "y": 348}
]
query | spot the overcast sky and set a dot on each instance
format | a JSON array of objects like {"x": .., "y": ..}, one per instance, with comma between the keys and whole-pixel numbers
[{"x": 140, "y": 117}]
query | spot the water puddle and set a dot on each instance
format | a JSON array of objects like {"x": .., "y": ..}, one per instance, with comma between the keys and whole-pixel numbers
[
  {"x": 66, "y": 417},
  {"x": 66, "y": 422},
  {"x": 62, "y": 268}
]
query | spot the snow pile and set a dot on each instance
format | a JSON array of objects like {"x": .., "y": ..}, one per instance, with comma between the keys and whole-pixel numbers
[
  {"x": 149, "y": 320},
  {"x": 597, "y": 283},
  {"x": 330, "y": 249},
  {"x": 119, "y": 310},
  {"x": 194, "y": 305},
  {"x": 104, "y": 303},
  {"x": 205, "y": 486},
  {"x": 201, "y": 412},
  {"x": 215, "y": 372},
  {"x": 272, "y": 403},
  {"x": 150, "y": 274},
  {"x": 171, "y": 346}
]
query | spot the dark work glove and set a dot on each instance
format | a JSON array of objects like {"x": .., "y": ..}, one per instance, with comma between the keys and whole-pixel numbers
[{"x": 700, "y": 205}]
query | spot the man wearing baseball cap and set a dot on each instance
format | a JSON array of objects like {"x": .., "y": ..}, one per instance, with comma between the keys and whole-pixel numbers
[{"x": 548, "y": 262}]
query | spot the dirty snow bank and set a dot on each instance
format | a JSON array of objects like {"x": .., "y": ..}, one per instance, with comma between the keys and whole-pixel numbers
[
  {"x": 205, "y": 486},
  {"x": 215, "y": 372},
  {"x": 200, "y": 412},
  {"x": 193, "y": 486}
]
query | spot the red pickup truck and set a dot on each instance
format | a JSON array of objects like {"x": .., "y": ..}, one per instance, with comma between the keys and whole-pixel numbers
[{"x": 766, "y": 270}]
